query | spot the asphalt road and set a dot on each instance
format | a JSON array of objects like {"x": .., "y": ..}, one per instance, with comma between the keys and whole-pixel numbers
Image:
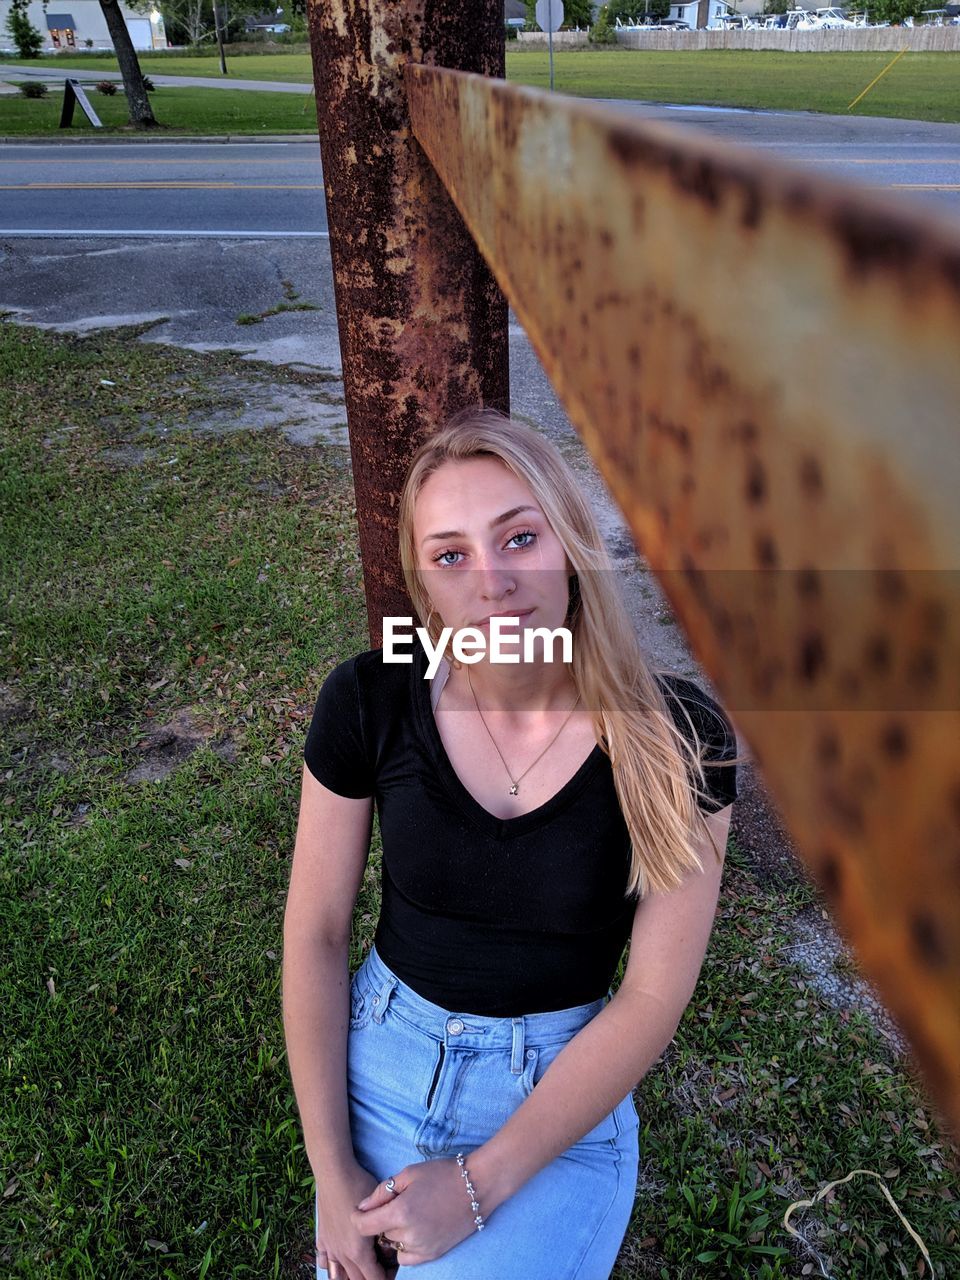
[{"x": 275, "y": 188}]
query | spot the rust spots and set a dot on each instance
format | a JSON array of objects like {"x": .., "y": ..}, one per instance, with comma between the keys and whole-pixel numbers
[
  {"x": 891, "y": 587},
  {"x": 831, "y": 873},
  {"x": 895, "y": 741},
  {"x": 933, "y": 616},
  {"x": 877, "y": 653},
  {"x": 844, "y": 810},
  {"x": 745, "y": 431},
  {"x": 675, "y": 432},
  {"x": 808, "y": 584},
  {"x": 811, "y": 657},
  {"x": 766, "y": 551},
  {"x": 874, "y": 241},
  {"x": 828, "y": 748},
  {"x": 751, "y": 210},
  {"x": 928, "y": 941},
  {"x": 811, "y": 477},
  {"x": 923, "y": 667},
  {"x": 756, "y": 487}
]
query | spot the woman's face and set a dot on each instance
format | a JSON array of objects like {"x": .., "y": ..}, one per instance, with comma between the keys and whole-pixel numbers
[{"x": 484, "y": 547}]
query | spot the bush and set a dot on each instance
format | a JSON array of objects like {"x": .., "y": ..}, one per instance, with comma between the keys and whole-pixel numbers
[
  {"x": 894, "y": 11},
  {"x": 25, "y": 35},
  {"x": 107, "y": 87},
  {"x": 34, "y": 89},
  {"x": 148, "y": 84},
  {"x": 602, "y": 31}
]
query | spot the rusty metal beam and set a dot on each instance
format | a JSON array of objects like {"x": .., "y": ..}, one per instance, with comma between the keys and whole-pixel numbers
[
  {"x": 423, "y": 326},
  {"x": 764, "y": 366}
]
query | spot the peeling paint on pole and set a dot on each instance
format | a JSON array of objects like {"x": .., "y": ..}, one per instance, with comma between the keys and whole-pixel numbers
[{"x": 423, "y": 325}]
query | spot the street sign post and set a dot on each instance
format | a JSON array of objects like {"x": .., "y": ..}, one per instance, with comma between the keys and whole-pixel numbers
[
  {"x": 550, "y": 19},
  {"x": 72, "y": 94}
]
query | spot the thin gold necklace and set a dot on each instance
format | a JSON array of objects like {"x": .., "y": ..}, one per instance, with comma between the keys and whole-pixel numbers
[{"x": 515, "y": 782}]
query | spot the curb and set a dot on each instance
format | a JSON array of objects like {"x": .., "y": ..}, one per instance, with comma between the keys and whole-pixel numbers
[{"x": 152, "y": 139}]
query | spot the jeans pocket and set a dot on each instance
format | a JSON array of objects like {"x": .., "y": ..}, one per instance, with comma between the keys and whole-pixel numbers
[{"x": 361, "y": 1003}]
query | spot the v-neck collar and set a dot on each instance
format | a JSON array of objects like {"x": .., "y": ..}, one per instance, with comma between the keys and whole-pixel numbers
[{"x": 504, "y": 828}]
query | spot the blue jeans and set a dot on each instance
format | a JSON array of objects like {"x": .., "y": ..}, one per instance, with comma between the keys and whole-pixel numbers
[{"x": 425, "y": 1082}]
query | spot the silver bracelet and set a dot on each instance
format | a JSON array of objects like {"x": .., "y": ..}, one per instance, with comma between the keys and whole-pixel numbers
[{"x": 465, "y": 1175}]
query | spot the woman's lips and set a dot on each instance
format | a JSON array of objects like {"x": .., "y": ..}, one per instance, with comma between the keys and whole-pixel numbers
[{"x": 516, "y": 613}]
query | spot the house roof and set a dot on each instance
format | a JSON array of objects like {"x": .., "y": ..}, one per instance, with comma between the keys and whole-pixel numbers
[{"x": 60, "y": 22}]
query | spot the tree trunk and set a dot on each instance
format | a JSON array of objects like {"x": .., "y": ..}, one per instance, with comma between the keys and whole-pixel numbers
[{"x": 141, "y": 113}]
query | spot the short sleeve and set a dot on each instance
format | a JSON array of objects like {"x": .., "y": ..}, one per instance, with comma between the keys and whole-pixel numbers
[
  {"x": 717, "y": 737},
  {"x": 335, "y": 752}
]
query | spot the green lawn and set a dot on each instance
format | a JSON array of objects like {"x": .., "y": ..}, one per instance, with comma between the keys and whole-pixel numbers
[
  {"x": 156, "y": 575},
  {"x": 922, "y": 86},
  {"x": 187, "y": 111}
]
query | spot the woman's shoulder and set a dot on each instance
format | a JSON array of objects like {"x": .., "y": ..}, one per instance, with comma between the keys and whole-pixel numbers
[
  {"x": 685, "y": 697},
  {"x": 367, "y": 676}
]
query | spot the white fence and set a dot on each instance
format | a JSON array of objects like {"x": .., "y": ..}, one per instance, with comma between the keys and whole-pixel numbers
[{"x": 839, "y": 40}]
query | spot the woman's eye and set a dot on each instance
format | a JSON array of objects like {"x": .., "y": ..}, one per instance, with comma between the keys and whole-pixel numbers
[
  {"x": 525, "y": 539},
  {"x": 443, "y": 557}
]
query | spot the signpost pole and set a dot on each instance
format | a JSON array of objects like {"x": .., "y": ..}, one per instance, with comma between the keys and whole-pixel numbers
[
  {"x": 550, "y": 19},
  {"x": 550, "y": 43}
]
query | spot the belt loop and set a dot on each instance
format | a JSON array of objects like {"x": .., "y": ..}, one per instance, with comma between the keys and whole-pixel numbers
[
  {"x": 516, "y": 1052},
  {"x": 382, "y": 999}
]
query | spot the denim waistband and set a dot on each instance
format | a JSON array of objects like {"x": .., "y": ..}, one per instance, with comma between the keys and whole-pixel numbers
[{"x": 467, "y": 1030}]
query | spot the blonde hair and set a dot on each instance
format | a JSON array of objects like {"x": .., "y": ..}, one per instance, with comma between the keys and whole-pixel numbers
[{"x": 657, "y": 772}]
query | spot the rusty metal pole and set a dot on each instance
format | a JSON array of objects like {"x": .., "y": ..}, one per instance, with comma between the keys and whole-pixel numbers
[{"x": 423, "y": 324}]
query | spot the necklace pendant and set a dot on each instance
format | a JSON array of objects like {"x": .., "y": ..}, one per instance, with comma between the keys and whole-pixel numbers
[{"x": 515, "y": 788}]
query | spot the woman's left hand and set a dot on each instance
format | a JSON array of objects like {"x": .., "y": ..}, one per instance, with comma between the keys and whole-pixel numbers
[{"x": 428, "y": 1213}]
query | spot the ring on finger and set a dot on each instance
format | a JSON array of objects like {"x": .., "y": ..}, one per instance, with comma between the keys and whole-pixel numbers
[
  {"x": 387, "y": 1243},
  {"x": 391, "y": 1186}
]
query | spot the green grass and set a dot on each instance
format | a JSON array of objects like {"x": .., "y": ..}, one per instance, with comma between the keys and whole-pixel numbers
[
  {"x": 146, "y": 1116},
  {"x": 922, "y": 86},
  {"x": 179, "y": 111}
]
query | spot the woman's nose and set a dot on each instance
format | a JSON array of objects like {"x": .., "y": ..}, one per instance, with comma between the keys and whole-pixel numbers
[{"x": 495, "y": 581}]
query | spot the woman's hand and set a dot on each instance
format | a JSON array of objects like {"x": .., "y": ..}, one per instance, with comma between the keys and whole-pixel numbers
[
  {"x": 428, "y": 1213},
  {"x": 340, "y": 1245}
]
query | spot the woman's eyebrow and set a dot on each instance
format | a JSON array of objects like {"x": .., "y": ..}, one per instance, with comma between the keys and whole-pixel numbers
[{"x": 497, "y": 520}]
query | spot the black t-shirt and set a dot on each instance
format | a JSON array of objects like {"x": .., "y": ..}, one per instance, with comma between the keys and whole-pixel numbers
[{"x": 483, "y": 915}]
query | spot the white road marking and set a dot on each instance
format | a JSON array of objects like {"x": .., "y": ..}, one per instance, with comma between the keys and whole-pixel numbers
[{"x": 77, "y": 234}]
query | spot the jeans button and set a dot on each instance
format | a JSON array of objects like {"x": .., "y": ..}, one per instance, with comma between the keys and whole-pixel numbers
[
  {"x": 376, "y": 1000},
  {"x": 454, "y": 1026},
  {"x": 531, "y": 1053}
]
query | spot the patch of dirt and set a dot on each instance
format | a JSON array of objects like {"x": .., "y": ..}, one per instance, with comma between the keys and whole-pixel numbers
[
  {"x": 761, "y": 835},
  {"x": 127, "y": 455},
  {"x": 830, "y": 967},
  {"x": 166, "y": 746},
  {"x": 304, "y": 414},
  {"x": 13, "y": 707}
]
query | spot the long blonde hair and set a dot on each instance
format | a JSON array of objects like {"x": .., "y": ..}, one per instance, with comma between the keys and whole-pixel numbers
[{"x": 657, "y": 772}]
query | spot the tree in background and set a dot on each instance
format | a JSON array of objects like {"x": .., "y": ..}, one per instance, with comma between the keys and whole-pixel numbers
[
  {"x": 138, "y": 104},
  {"x": 26, "y": 37},
  {"x": 629, "y": 11},
  {"x": 894, "y": 11},
  {"x": 776, "y": 6},
  {"x": 602, "y": 32},
  {"x": 576, "y": 13}
]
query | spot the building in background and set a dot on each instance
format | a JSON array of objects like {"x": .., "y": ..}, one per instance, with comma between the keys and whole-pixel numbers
[{"x": 80, "y": 24}]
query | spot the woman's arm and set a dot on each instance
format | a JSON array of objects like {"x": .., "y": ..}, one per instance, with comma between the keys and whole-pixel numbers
[
  {"x": 330, "y": 854},
  {"x": 587, "y": 1079}
]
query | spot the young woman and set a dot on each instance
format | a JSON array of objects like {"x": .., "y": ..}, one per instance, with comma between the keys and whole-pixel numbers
[{"x": 466, "y": 1099}]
